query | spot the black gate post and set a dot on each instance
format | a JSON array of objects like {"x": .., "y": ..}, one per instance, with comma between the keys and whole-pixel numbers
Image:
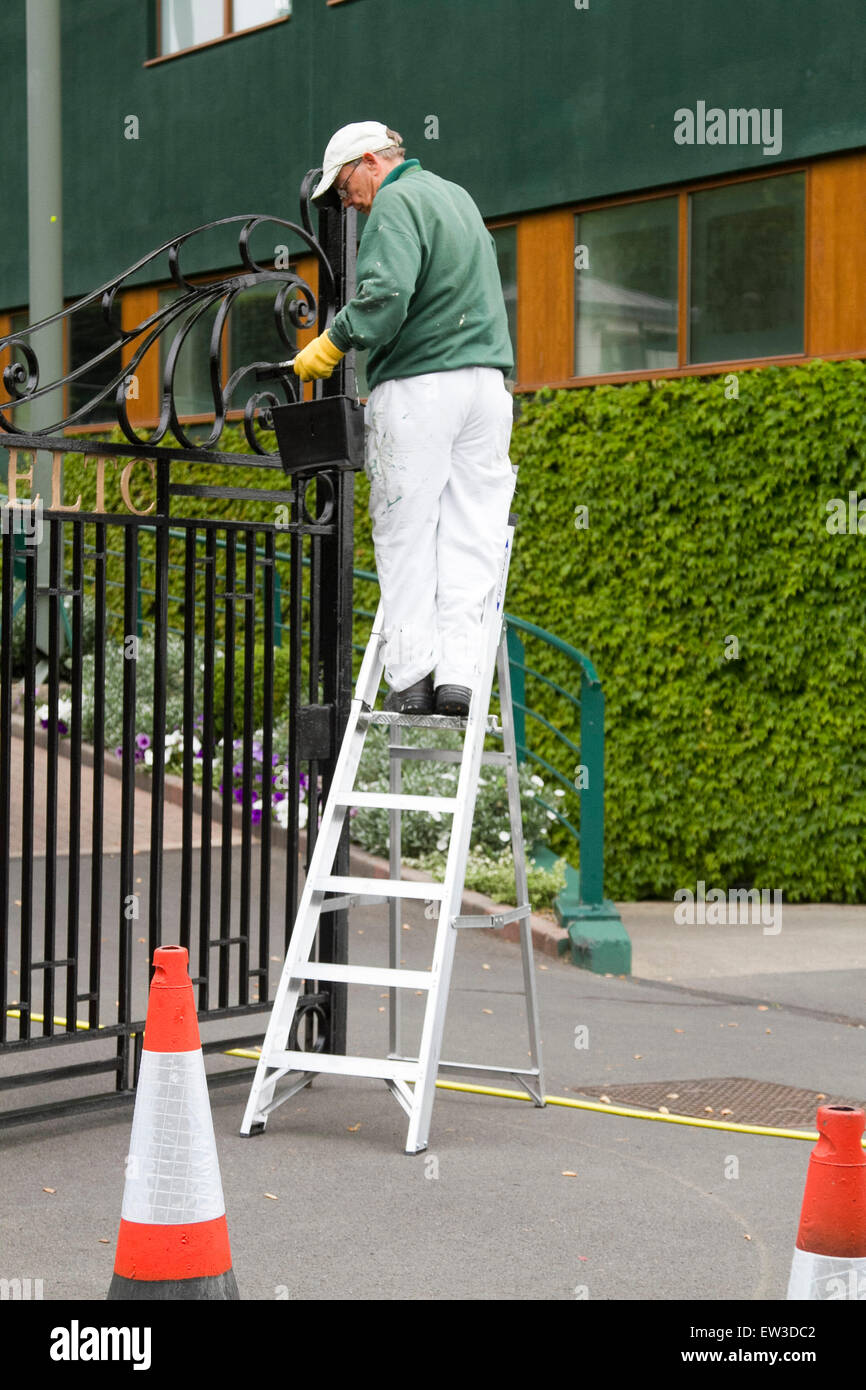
[{"x": 338, "y": 235}]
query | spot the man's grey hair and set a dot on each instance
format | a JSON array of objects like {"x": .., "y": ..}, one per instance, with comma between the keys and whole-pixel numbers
[{"x": 394, "y": 151}]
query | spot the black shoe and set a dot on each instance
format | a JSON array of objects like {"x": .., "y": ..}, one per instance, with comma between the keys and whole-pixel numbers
[
  {"x": 453, "y": 699},
  {"x": 415, "y": 699}
]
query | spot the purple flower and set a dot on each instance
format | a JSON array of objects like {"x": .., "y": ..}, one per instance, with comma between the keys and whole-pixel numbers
[
  {"x": 238, "y": 769},
  {"x": 255, "y": 816},
  {"x": 239, "y": 794},
  {"x": 61, "y": 727},
  {"x": 303, "y": 781},
  {"x": 142, "y": 741},
  {"x": 118, "y": 752},
  {"x": 258, "y": 751}
]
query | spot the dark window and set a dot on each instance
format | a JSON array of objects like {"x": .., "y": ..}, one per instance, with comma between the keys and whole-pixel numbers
[
  {"x": 253, "y": 334},
  {"x": 20, "y": 415},
  {"x": 89, "y": 335},
  {"x": 505, "y": 239},
  {"x": 746, "y": 270}
]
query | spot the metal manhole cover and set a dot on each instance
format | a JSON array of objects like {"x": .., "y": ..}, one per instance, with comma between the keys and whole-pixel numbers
[{"x": 736, "y": 1099}]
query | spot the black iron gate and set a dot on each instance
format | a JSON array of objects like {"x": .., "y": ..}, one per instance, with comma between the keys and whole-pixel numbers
[{"x": 88, "y": 885}]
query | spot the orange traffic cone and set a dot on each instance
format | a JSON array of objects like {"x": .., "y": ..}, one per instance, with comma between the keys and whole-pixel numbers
[
  {"x": 173, "y": 1241},
  {"x": 830, "y": 1255}
]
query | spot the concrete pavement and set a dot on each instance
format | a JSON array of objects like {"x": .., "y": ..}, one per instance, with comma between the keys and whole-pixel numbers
[
  {"x": 510, "y": 1201},
  {"x": 653, "y": 1211}
]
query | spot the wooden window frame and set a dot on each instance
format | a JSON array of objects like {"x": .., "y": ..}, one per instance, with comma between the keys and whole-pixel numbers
[
  {"x": 226, "y": 37},
  {"x": 562, "y": 252}
]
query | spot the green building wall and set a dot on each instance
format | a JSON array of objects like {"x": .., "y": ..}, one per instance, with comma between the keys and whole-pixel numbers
[{"x": 538, "y": 103}]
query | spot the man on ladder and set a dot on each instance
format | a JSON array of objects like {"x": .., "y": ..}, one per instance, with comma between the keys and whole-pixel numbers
[{"x": 429, "y": 308}]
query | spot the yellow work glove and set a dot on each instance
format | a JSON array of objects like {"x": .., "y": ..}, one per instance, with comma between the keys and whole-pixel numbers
[{"x": 317, "y": 359}]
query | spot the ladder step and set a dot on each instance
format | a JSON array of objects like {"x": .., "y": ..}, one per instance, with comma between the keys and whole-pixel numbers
[
  {"x": 352, "y": 900},
  {"x": 388, "y": 887},
  {"x": 396, "y": 801},
  {"x": 445, "y": 755},
  {"x": 385, "y": 1068},
  {"x": 364, "y": 975}
]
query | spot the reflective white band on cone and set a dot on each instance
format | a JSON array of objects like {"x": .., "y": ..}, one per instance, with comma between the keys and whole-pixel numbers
[
  {"x": 829, "y": 1278},
  {"x": 172, "y": 1172}
]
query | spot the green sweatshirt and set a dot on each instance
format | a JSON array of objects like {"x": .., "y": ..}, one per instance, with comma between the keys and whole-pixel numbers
[{"x": 429, "y": 295}]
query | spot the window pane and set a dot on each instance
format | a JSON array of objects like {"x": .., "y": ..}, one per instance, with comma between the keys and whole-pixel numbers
[
  {"x": 746, "y": 270},
  {"x": 188, "y": 22},
  {"x": 20, "y": 415},
  {"x": 506, "y": 254},
  {"x": 89, "y": 335},
  {"x": 253, "y": 336},
  {"x": 246, "y": 13},
  {"x": 192, "y": 388},
  {"x": 625, "y": 288}
]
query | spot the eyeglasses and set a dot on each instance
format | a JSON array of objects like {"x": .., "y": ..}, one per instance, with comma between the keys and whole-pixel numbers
[{"x": 341, "y": 189}]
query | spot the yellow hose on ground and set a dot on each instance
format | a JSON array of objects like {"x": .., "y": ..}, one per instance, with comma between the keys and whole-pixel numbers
[{"x": 602, "y": 1107}]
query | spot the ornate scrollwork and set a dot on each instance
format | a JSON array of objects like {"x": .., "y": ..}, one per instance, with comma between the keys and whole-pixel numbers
[{"x": 294, "y": 306}]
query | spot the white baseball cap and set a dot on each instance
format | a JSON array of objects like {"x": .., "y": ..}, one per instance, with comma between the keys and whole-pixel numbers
[{"x": 350, "y": 143}]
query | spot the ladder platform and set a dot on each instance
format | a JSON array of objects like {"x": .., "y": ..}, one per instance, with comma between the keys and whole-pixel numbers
[
  {"x": 388, "y": 887},
  {"x": 380, "y": 1068},
  {"x": 424, "y": 721},
  {"x": 364, "y": 975},
  {"x": 395, "y": 801}
]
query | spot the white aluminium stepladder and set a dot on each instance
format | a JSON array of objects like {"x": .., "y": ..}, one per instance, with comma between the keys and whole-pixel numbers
[{"x": 412, "y": 1080}]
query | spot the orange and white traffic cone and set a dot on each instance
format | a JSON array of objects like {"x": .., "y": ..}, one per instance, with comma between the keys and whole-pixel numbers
[
  {"x": 173, "y": 1241},
  {"x": 830, "y": 1255}
]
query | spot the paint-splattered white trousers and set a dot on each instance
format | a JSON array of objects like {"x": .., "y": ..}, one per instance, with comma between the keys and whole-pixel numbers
[{"x": 440, "y": 488}]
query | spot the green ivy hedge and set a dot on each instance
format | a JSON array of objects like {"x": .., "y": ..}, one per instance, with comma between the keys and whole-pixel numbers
[
  {"x": 725, "y": 614},
  {"x": 726, "y": 621}
]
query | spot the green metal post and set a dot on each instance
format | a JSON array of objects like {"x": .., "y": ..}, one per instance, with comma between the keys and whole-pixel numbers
[
  {"x": 517, "y": 662},
  {"x": 598, "y": 939},
  {"x": 592, "y": 793}
]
